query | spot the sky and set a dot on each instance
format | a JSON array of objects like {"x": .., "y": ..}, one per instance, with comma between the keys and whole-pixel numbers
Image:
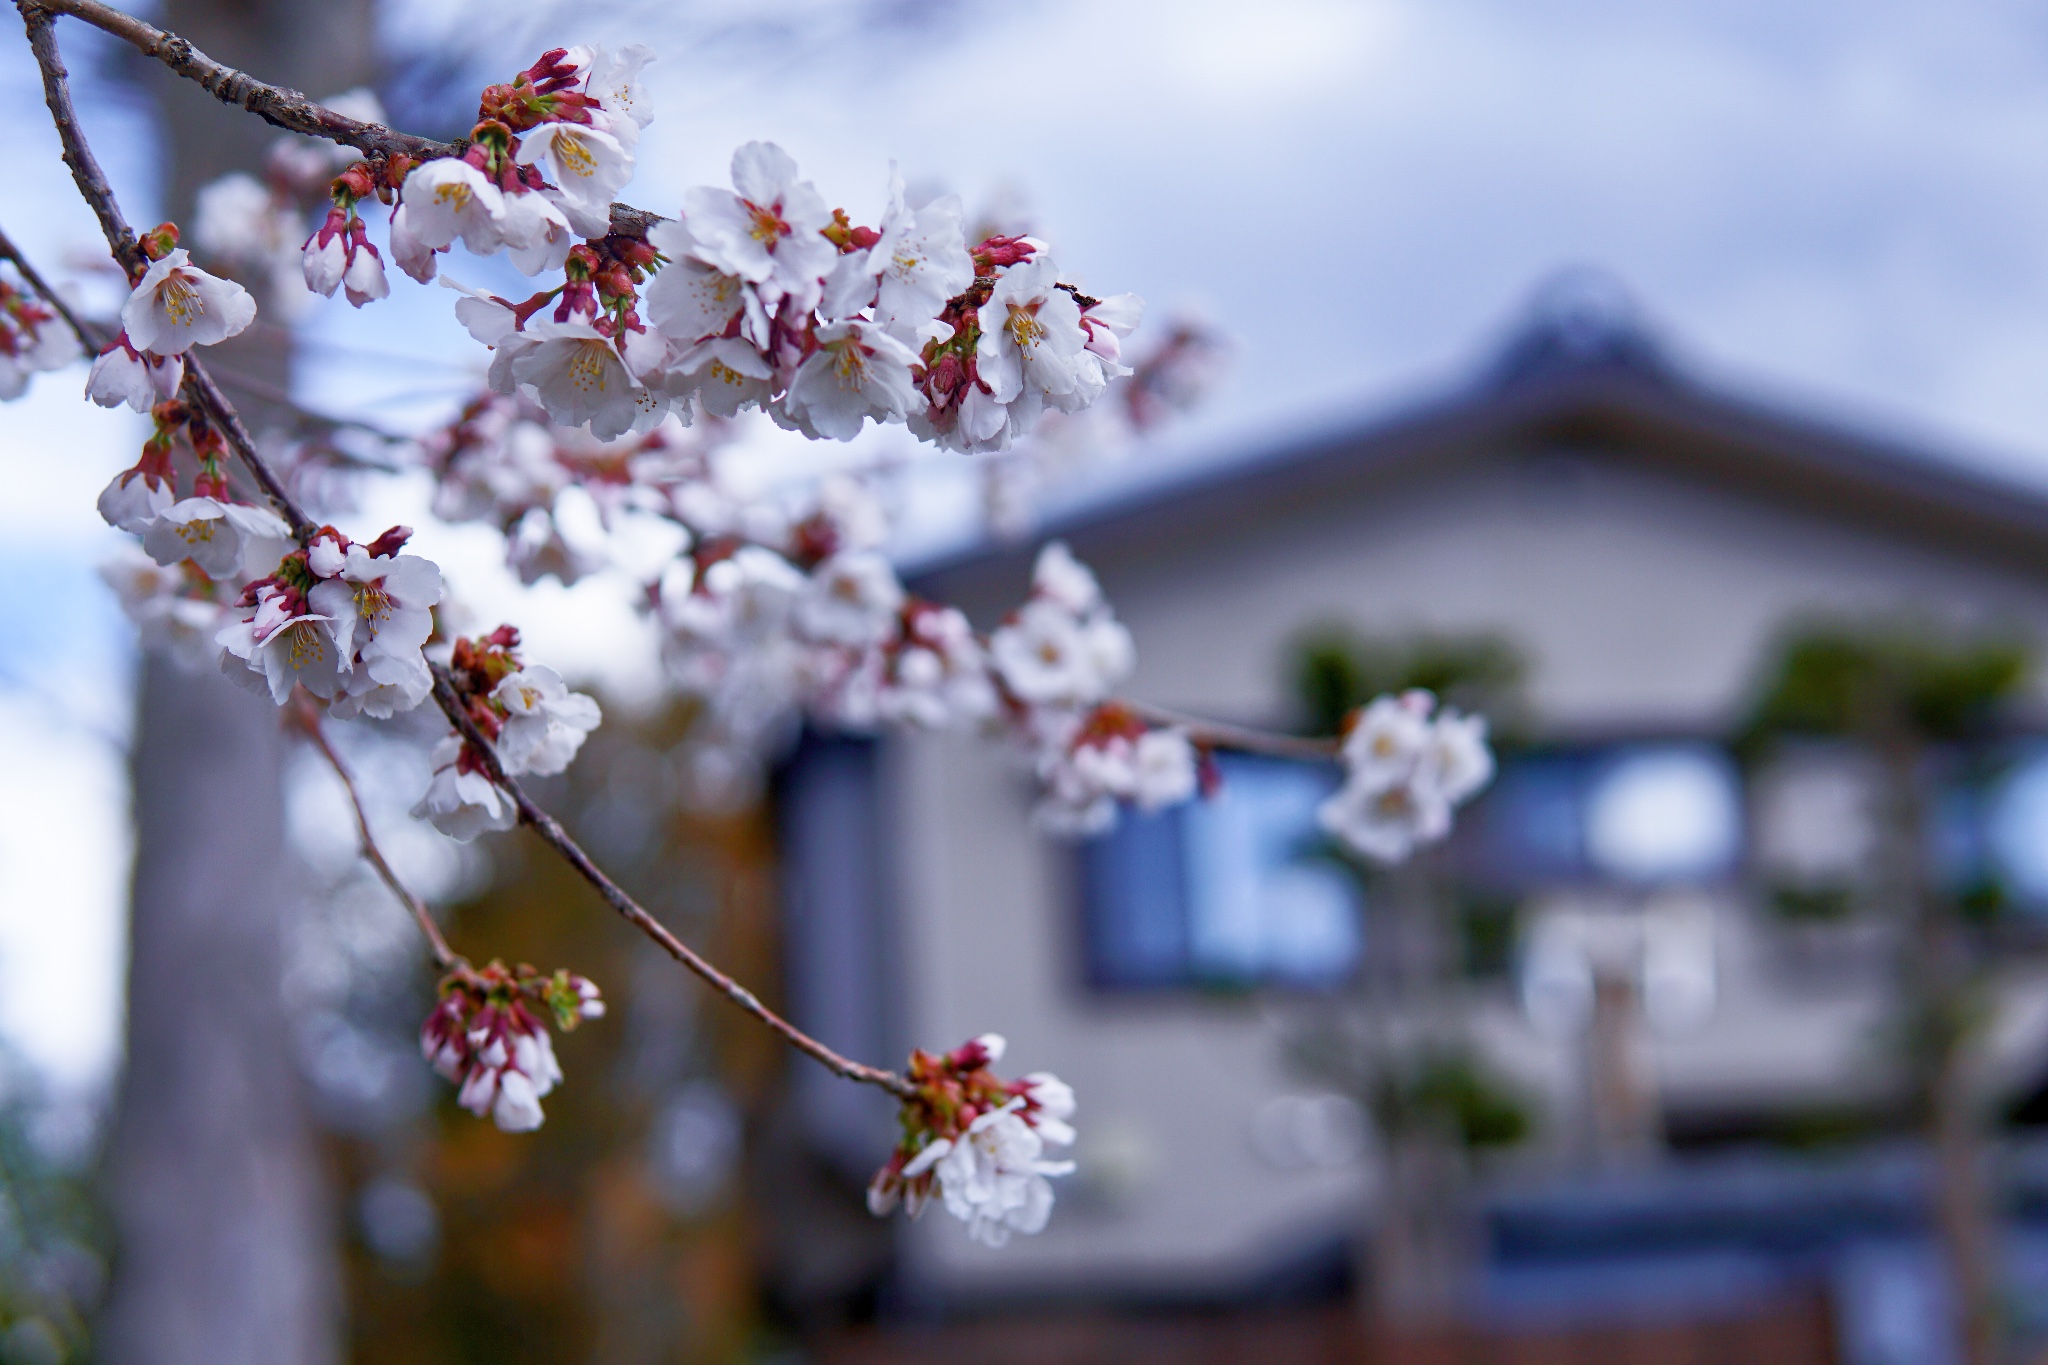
[{"x": 1843, "y": 207}]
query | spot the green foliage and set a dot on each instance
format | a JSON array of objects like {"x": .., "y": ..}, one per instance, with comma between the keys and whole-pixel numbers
[
  {"x": 51, "y": 1240},
  {"x": 1813, "y": 904},
  {"x": 1851, "y": 679},
  {"x": 1487, "y": 925},
  {"x": 1480, "y": 1106},
  {"x": 1336, "y": 669}
]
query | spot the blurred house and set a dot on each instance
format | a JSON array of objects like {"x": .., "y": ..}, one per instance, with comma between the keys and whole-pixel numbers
[{"x": 1642, "y": 537}]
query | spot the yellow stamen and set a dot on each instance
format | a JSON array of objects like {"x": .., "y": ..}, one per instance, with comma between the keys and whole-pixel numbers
[
  {"x": 180, "y": 298},
  {"x": 588, "y": 367},
  {"x": 1025, "y": 329},
  {"x": 575, "y": 158},
  {"x": 767, "y": 224}
]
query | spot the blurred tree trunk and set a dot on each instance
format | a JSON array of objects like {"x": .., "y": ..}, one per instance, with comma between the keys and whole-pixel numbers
[
  {"x": 226, "y": 1249},
  {"x": 1941, "y": 988},
  {"x": 1420, "y": 1244}
]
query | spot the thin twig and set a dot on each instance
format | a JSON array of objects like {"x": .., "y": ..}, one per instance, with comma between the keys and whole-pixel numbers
[
  {"x": 279, "y": 106},
  {"x": 88, "y": 335},
  {"x": 308, "y": 721},
  {"x": 93, "y": 337},
  {"x": 92, "y": 184},
  {"x": 1216, "y": 735},
  {"x": 551, "y": 833}
]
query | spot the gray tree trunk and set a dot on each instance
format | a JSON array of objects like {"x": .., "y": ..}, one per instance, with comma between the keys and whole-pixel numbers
[
  {"x": 226, "y": 1250},
  {"x": 225, "y": 1255}
]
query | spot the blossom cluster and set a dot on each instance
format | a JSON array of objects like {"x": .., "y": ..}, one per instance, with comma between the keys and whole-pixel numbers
[
  {"x": 256, "y": 224},
  {"x": 759, "y": 295},
  {"x": 978, "y": 1142},
  {"x": 489, "y": 1036},
  {"x": 534, "y": 722},
  {"x": 347, "y": 622},
  {"x": 1407, "y": 766},
  {"x": 32, "y": 339}
]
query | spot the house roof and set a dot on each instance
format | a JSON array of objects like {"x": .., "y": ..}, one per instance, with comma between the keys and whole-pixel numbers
[{"x": 1582, "y": 372}]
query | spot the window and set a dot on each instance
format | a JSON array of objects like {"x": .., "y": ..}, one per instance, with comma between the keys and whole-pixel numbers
[
  {"x": 1231, "y": 891},
  {"x": 1239, "y": 891},
  {"x": 1650, "y": 814}
]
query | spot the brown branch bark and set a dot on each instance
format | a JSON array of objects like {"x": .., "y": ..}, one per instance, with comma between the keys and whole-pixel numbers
[
  {"x": 552, "y": 834},
  {"x": 1216, "y": 735},
  {"x": 307, "y": 718},
  {"x": 87, "y": 334}
]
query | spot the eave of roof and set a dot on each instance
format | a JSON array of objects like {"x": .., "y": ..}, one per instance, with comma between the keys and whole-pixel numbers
[{"x": 1614, "y": 392}]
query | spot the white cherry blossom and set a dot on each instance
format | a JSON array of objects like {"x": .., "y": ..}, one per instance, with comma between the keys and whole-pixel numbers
[
  {"x": 1404, "y": 772},
  {"x": 1031, "y": 339},
  {"x": 120, "y": 374},
  {"x": 767, "y": 233},
  {"x": 165, "y": 617},
  {"x": 271, "y": 649},
  {"x": 1048, "y": 655},
  {"x": 857, "y": 372},
  {"x": 1052, "y": 1104},
  {"x": 613, "y": 80},
  {"x": 545, "y": 723},
  {"x": 381, "y": 607},
  {"x": 727, "y": 374},
  {"x": 463, "y": 804},
  {"x": 448, "y": 198},
  {"x": 940, "y": 678},
  {"x": 993, "y": 1177},
  {"x": 589, "y": 166},
  {"x": 1107, "y": 323},
  {"x": 324, "y": 261},
  {"x": 213, "y": 534},
  {"x": 537, "y": 233},
  {"x": 689, "y": 300},
  {"x": 580, "y": 377},
  {"x": 176, "y": 306},
  {"x": 1457, "y": 761},
  {"x": 1066, "y": 580},
  {"x": 236, "y": 219},
  {"x": 921, "y": 260},
  {"x": 415, "y": 257},
  {"x": 26, "y": 350},
  {"x": 1388, "y": 738},
  {"x": 852, "y": 600},
  {"x": 363, "y": 282},
  {"x": 134, "y": 500},
  {"x": 1386, "y": 822}
]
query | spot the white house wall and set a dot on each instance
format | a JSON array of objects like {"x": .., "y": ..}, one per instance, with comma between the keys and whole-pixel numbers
[{"x": 1641, "y": 602}]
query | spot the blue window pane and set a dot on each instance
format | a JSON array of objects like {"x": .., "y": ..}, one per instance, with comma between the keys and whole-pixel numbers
[
  {"x": 1261, "y": 904},
  {"x": 2017, "y": 830},
  {"x": 1527, "y": 827},
  {"x": 1133, "y": 902},
  {"x": 1664, "y": 813},
  {"x": 1227, "y": 891}
]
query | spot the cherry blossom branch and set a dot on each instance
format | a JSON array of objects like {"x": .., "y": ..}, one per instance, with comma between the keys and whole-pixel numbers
[
  {"x": 92, "y": 337},
  {"x": 92, "y": 184},
  {"x": 87, "y": 334},
  {"x": 303, "y": 714},
  {"x": 1211, "y": 734},
  {"x": 99, "y": 196},
  {"x": 551, "y": 833},
  {"x": 277, "y": 105},
  {"x": 283, "y": 108}
]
